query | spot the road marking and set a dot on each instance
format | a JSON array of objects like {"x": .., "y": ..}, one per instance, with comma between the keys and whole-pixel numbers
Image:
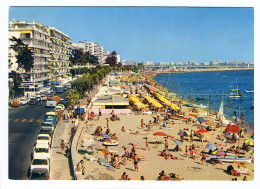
[
  {"x": 23, "y": 120},
  {"x": 16, "y": 120},
  {"x": 31, "y": 120},
  {"x": 38, "y": 121}
]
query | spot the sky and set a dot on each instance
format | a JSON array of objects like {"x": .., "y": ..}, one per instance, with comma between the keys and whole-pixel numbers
[{"x": 160, "y": 34}]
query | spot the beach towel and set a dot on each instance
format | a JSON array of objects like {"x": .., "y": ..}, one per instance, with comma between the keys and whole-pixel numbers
[{"x": 103, "y": 162}]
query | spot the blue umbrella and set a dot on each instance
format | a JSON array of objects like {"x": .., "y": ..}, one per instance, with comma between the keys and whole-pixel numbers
[
  {"x": 200, "y": 119},
  {"x": 212, "y": 147}
]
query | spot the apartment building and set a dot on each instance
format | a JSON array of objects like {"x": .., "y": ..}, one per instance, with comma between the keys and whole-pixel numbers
[
  {"x": 50, "y": 48},
  {"x": 93, "y": 48},
  {"x": 60, "y": 50}
]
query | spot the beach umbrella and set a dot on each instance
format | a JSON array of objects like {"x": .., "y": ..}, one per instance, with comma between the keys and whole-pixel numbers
[
  {"x": 160, "y": 134},
  {"x": 219, "y": 153},
  {"x": 134, "y": 82},
  {"x": 243, "y": 129},
  {"x": 200, "y": 119},
  {"x": 108, "y": 140},
  {"x": 100, "y": 127},
  {"x": 202, "y": 131},
  {"x": 249, "y": 141},
  {"x": 232, "y": 129},
  {"x": 184, "y": 133},
  {"x": 251, "y": 151},
  {"x": 252, "y": 136},
  {"x": 177, "y": 142},
  {"x": 211, "y": 146},
  {"x": 165, "y": 122},
  {"x": 242, "y": 133}
]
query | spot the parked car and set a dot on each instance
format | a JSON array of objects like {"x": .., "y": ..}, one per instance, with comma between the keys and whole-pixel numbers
[
  {"x": 33, "y": 101},
  {"x": 15, "y": 103},
  {"x": 47, "y": 130},
  {"x": 60, "y": 106},
  {"x": 40, "y": 166},
  {"x": 48, "y": 125},
  {"x": 51, "y": 117},
  {"x": 43, "y": 139},
  {"x": 41, "y": 150},
  {"x": 24, "y": 101},
  {"x": 64, "y": 102},
  {"x": 43, "y": 97}
]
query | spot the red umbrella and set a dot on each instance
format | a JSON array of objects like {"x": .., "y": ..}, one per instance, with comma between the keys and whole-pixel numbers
[
  {"x": 160, "y": 134},
  {"x": 202, "y": 130},
  {"x": 232, "y": 129}
]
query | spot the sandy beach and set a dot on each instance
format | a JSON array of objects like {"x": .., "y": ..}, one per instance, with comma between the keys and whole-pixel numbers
[{"x": 151, "y": 164}]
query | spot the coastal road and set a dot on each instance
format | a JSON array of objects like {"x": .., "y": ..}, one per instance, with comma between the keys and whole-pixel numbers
[{"x": 24, "y": 126}]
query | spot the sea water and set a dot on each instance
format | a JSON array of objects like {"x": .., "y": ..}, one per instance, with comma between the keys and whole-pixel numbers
[{"x": 212, "y": 86}]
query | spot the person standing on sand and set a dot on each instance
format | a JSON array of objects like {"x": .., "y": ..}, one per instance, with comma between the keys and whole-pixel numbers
[
  {"x": 142, "y": 123},
  {"x": 106, "y": 152},
  {"x": 166, "y": 145},
  {"x": 147, "y": 144},
  {"x": 107, "y": 123},
  {"x": 136, "y": 160},
  {"x": 186, "y": 151}
]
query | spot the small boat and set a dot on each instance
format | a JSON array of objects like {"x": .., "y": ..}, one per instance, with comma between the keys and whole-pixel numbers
[
  {"x": 249, "y": 91},
  {"x": 241, "y": 159},
  {"x": 199, "y": 106},
  {"x": 235, "y": 93},
  {"x": 200, "y": 98}
]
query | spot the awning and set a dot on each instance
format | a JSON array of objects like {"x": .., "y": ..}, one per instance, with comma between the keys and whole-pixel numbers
[{"x": 26, "y": 31}]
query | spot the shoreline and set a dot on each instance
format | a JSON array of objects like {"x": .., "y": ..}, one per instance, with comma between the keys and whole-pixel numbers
[{"x": 229, "y": 117}]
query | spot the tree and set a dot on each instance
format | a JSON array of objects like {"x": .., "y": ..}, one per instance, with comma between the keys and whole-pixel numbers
[
  {"x": 14, "y": 84},
  {"x": 112, "y": 59},
  {"x": 24, "y": 54}
]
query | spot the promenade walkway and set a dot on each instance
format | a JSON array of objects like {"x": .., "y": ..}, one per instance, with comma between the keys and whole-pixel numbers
[{"x": 60, "y": 169}]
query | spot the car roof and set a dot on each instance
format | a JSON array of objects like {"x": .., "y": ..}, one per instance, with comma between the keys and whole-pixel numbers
[
  {"x": 47, "y": 123},
  {"x": 42, "y": 145},
  {"x": 50, "y": 113},
  {"x": 42, "y": 135}
]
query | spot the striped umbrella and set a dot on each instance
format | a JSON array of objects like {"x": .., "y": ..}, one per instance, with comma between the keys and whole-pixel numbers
[
  {"x": 108, "y": 140},
  {"x": 243, "y": 129},
  {"x": 100, "y": 127},
  {"x": 219, "y": 153},
  {"x": 202, "y": 131},
  {"x": 251, "y": 151},
  {"x": 242, "y": 133},
  {"x": 249, "y": 141},
  {"x": 184, "y": 133}
]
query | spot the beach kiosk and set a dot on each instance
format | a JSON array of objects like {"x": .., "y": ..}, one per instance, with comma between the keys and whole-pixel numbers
[{"x": 107, "y": 103}]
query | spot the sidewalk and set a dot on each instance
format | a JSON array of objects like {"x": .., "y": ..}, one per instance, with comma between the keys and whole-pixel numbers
[
  {"x": 59, "y": 164},
  {"x": 60, "y": 169}
]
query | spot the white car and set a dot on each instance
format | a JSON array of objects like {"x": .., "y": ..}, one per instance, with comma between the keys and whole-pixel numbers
[
  {"x": 40, "y": 166},
  {"x": 43, "y": 97},
  {"x": 24, "y": 101},
  {"x": 43, "y": 139},
  {"x": 41, "y": 151},
  {"x": 60, "y": 107}
]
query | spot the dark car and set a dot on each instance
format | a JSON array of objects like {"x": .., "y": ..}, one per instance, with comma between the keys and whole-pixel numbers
[
  {"x": 33, "y": 101},
  {"x": 64, "y": 102},
  {"x": 48, "y": 131}
]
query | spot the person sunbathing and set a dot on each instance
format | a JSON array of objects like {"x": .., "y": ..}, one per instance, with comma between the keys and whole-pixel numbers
[
  {"x": 164, "y": 154},
  {"x": 114, "y": 137}
]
